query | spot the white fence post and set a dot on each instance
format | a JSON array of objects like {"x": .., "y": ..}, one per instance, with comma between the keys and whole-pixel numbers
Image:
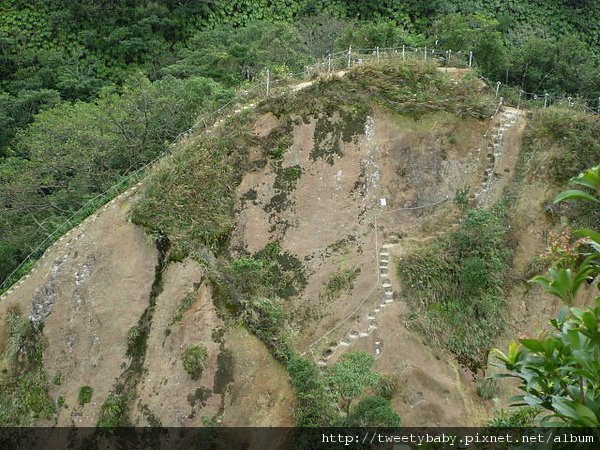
[
  {"x": 268, "y": 81},
  {"x": 545, "y": 100},
  {"x": 449, "y": 57},
  {"x": 377, "y": 50},
  {"x": 349, "y": 56},
  {"x": 470, "y": 58},
  {"x": 402, "y": 51},
  {"x": 598, "y": 105},
  {"x": 569, "y": 101},
  {"x": 329, "y": 62},
  {"x": 425, "y": 54},
  {"x": 498, "y": 88}
]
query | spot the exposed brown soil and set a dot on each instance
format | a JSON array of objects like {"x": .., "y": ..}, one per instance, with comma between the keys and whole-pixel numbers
[{"x": 99, "y": 280}]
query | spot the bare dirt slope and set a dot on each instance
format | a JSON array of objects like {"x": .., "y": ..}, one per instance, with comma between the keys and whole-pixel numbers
[
  {"x": 333, "y": 220},
  {"x": 89, "y": 290}
]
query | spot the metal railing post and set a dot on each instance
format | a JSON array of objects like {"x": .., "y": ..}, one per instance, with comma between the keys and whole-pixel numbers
[{"x": 268, "y": 81}]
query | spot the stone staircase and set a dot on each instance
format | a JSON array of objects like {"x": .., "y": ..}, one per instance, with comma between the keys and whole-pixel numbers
[{"x": 495, "y": 148}]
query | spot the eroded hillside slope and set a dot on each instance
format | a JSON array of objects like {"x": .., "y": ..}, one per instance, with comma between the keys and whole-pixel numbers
[{"x": 272, "y": 247}]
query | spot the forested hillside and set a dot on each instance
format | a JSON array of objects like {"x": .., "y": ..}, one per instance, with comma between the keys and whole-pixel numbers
[{"x": 92, "y": 90}]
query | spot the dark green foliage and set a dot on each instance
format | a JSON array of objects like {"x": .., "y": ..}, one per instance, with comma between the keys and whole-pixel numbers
[
  {"x": 23, "y": 381},
  {"x": 193, "y": 359},
  {"x": 475, "y": 33},
  {"x": 561, "y": 66},
  {"x": 456, "y": 287},
  {"x": 231, "y": 55},
  {"x": 315, "y": 403},
  {"x": 75, "y": 152},
  {"x": 85, "y": 395},
  {"x": 382, "y": 33}
]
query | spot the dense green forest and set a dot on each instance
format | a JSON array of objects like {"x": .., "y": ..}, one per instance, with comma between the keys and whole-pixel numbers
[{"x": 93, "y": 90}]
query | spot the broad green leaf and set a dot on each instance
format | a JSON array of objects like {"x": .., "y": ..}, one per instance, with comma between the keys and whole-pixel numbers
[{"x": 575, "y": 194}]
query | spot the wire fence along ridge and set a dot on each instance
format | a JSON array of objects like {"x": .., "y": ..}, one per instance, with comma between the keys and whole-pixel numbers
[{"x": 267, "y": 87}]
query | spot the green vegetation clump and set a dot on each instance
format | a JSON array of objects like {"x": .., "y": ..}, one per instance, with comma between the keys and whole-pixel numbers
[
  {"x": 190, "y": 198},
  {"x": 572, "y": 137},
  {"x": 112, "y": 412},
  {"x": 341, "y": 281},
  {"x": 25, "y": 395},
  {"x": 193, "y": 359},
  {"x": 85, "y": 395},
  {"x": 387, "y": 386},
  {"x": 455, "y": 287},
  {"x": 487, "y": 388},
  {"x": 525, "y": 416}
]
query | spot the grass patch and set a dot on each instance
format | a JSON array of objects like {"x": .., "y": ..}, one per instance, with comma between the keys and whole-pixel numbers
[
  {"x": 341, "y": 281},
  {"x": 572, "y": 137},
  {"x": 24, "y": 385},
  {"x": 487, "y": 388},
  {"x": 193, "y": 359},
  {"x": 572, "y": 140},
  {"x": 85, "y": 395},
  {"x": 112, "y": 412},
  {"x": 456, "y": 285},
  {"x": 190, "y": 198}
]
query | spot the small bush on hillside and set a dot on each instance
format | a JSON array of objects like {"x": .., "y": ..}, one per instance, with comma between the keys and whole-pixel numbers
[
  {"x": 193, "y": 360},
  {"x": 85, "y": 395},
  {"x": 525, "y": 416},
  {"x": 387, "y": 386},
  {"x": 112, "y": 412},
  {"x": 487, "y": 388},
  {"x": 341, "y": 281},
  {"x": 25, "y": 395}
]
